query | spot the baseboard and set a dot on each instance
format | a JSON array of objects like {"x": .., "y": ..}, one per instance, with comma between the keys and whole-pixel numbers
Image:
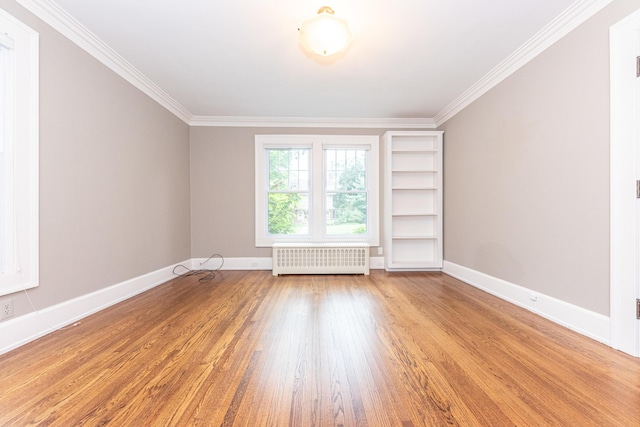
[
  {"x": 216, "y": 263},
  {"x": 585, "y": 322},
  {"x": 376, "y": 263},
  {"x": 29, "y": 327},
  {"x": 23, "y": 329},
  {"x": 257, "y": 263}
]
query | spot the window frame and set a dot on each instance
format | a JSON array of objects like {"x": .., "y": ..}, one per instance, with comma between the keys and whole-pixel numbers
[
  {"x": 317, "y": 198},
  {"x": 308, "y": 191},
  {"x": 22, "y": 140}
]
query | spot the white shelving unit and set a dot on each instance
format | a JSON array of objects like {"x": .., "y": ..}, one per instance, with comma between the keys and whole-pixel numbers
[{"x": 413, "y": 200}]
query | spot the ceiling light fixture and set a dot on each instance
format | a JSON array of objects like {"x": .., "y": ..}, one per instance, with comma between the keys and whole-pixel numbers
[{"x": 325, "y": 34}]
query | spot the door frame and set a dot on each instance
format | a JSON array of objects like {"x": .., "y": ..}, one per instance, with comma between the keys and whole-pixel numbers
[{"x": 624, "y": 229}]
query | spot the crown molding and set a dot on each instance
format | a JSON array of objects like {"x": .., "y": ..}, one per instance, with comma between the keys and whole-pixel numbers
[
  {"x": 313, "y": 122},
  {"x": 562, "y": 25},
  {"x": 64, "y": 23},
  {"x": 68, "y": 26}
]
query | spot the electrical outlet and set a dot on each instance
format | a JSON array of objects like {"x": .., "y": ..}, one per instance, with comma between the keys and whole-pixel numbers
[
  {"x": 380, "y": 250},
  {"x": 6, "y": 308}
]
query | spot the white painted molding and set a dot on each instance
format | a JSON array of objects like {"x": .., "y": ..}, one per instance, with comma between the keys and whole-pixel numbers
[
  {"x": 256, "y": 263},
  {"x": 23, "y": 329},
  {"x": 585, "y": 322},
  {"x": 624, "y": 229},
  {"x": 376, "y": 263},
  {"x": 244, "y": 263},
  {"x": 68, "y": 26},
  {"x": 60, "y": 20},
  {"x": 23, "y": 197},
  {"x": 566, "y": 22},
  {"x": 313, "y": 122}
]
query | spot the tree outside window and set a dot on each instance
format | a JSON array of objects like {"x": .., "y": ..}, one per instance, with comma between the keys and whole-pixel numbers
[
  {"x": 346, "y": 195},
  {"x": 316, "y": 188},
  {"x": 288, "y": 200}
]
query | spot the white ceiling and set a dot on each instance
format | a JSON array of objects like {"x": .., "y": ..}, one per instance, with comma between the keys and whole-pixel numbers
[{"x": 408, "y": 58}]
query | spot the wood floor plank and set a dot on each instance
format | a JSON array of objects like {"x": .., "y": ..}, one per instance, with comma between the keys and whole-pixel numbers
[{"x": 250, "y": 349}]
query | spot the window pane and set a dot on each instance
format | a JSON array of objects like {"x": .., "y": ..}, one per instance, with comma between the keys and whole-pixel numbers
[
  {"x": 288, "y": 169},
  {"x": 346, "y": 213},
  {"x": 288, "y": 213},
  {"x": 345, "y": 170},
  {"x": 316, "y": 189},
  {"x": 289, "y": 183}
]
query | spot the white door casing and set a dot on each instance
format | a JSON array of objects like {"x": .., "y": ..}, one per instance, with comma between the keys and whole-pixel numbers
[{"x": 625, "y": 212}]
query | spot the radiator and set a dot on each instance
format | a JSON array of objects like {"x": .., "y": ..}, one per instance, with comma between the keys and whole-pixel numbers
[{"x": 320, "y": 258}]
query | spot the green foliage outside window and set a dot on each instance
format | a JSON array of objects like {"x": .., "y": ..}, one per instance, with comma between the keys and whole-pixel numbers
[
  {"x": 282, "y": 212},
  {"x": 351, "y": 204},
  {"x": 288, "y": 171}
]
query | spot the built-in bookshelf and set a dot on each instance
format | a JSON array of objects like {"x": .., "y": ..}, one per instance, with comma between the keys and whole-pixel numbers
[{"x": 413, "y": 200}]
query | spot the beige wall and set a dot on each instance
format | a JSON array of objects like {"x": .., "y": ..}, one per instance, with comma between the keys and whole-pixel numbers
[
  {"x": 527, "y": 172},
  {"x": 222, "y": 187},
  {"x": 114, "y": 176}
]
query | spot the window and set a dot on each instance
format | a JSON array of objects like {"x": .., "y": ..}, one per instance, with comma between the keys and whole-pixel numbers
[
  {"x": 316, "y": 188},
  {"x": 18, "y": 155}
]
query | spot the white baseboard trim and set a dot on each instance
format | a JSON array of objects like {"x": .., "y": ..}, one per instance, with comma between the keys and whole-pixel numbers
[
  {"x": 256, "y": 263},
  {"x": 23, "y": 329},
  {"x": 376, "y": 263},
  {"x": 585, "y": 322},
  {"x": 29, "y": 327}
]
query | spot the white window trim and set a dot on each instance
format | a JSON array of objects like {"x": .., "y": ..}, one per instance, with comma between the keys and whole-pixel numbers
[
  {"x": 25, "y": 145},
  {"x": 317, "y": 142}
]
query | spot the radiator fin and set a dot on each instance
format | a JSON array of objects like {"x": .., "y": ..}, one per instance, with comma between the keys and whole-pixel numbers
[{"x": 347, "y": 258}]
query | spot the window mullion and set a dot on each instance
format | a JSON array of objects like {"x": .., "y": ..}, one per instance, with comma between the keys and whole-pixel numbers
[{"x": 320, "y": 227}]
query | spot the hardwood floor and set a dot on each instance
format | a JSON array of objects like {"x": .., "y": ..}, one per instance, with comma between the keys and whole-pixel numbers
[{"x": 248, "y": 349}]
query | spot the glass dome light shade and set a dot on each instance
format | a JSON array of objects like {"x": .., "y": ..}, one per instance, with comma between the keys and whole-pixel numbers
[{"x": 325, "y": 34}]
